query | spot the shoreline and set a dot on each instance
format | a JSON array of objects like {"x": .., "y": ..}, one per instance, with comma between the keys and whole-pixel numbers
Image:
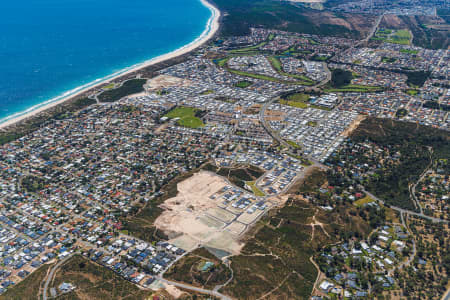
[{"x": 212, "y": 26}]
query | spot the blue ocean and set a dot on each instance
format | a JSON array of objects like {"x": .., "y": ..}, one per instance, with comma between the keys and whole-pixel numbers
[{"x": 49, "y": 47}]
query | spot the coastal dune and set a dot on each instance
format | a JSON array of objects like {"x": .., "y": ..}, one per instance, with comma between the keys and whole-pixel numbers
[{"x": 209, "y": 32}]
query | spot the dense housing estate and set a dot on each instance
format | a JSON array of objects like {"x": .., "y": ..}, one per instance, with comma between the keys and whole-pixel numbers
[{"x": 269, "y": 100}]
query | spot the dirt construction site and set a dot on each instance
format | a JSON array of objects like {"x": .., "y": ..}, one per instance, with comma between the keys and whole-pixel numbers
[{"x": 209, "y": 211}]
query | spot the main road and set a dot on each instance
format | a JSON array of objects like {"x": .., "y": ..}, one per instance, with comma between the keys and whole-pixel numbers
[{"x": 406, "y": 211}]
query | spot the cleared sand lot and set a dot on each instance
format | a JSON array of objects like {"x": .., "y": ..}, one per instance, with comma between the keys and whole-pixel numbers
[
  {"x": 165, "y": 81},
  {"x": 250, "y": 218},
  {"x": 221, "y": 214},
  {"x": 197, "y": 216},
  {"x": 192, "y": 217},
  {"x": 237, "y": 228}
]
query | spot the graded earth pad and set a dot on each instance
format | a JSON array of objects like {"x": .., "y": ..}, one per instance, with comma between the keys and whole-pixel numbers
[
  {"x": 247, "y": 218},
  {"x": 221, "y": 214},
  {"x": 237, "y": 228},
  {"x": 193, "y": 218},
  {"x": 165, "y": 81}
]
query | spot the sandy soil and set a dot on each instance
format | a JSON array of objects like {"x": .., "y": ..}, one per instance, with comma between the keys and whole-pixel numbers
[
  {"x": 332, "y": 19},
  {"x": 392, "y": 21},
  {"x": 165, "y": 81},
  {"x": 183, "y": 211},
  {"x": 214, "y": 26},
  {"x": 237, "y": 228},
  {"x": 247, "y": 218},
  {"x": 353, "y": 126},
  {"x": 342, "y": 22},
  {"x": 173, "y": 291},
  {"x": 274, "y": 113},
  {"x": 280, "y": 199},
  {"x": 185, "y": 219},
  {"x": 221, "y": 214}
]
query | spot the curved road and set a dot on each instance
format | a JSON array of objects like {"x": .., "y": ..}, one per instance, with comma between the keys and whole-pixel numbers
[
  {"x": 409, "y": 212},
  {"x": 412, "y": 189},
  {"x": 195, "y": 289},
  {"x": 214, "y": 292},
  {"x": 218, "y": 287},
  {"x": 411, "y": 257},
  {"x": 160, "y": 278},
  {"x": 51, "y": 274}
]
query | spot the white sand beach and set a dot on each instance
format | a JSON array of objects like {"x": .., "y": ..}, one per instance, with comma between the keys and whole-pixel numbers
[{"x": 208, "y": 33}]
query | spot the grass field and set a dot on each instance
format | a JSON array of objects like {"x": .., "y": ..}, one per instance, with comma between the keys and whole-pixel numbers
[
  {"x": 362, "y": 201},
  {"x": 412, "y": 92},
  {"x": 276, "y": 65},
  {"x": 109, "y": 86},
  {"x": 355, "y": 88},
  {"x": 265, "y": 77},
  {"x": 243, "y": 84},
  {"x": 207, "y": 92},
  {"x": 293, "y": 144},
  {"x": 320, "y": 107},
  {"x": 409, "y": 51},
  {"x": 389, "y": 60},
  {"x": 256, "y": 76},
  {"x": 248, "y": 49},
  {"x": 298, "y": 97},
  {"x": 384, "y": 31},
  {"x": 298, "y": 100},
  {"x": 186, "y": 117},
  {"x": 222, "y": 62},
  {"x": 297, "y": 104},
  {"x": 255, "y": 190},
  {"x": 401, "y": 36}
]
